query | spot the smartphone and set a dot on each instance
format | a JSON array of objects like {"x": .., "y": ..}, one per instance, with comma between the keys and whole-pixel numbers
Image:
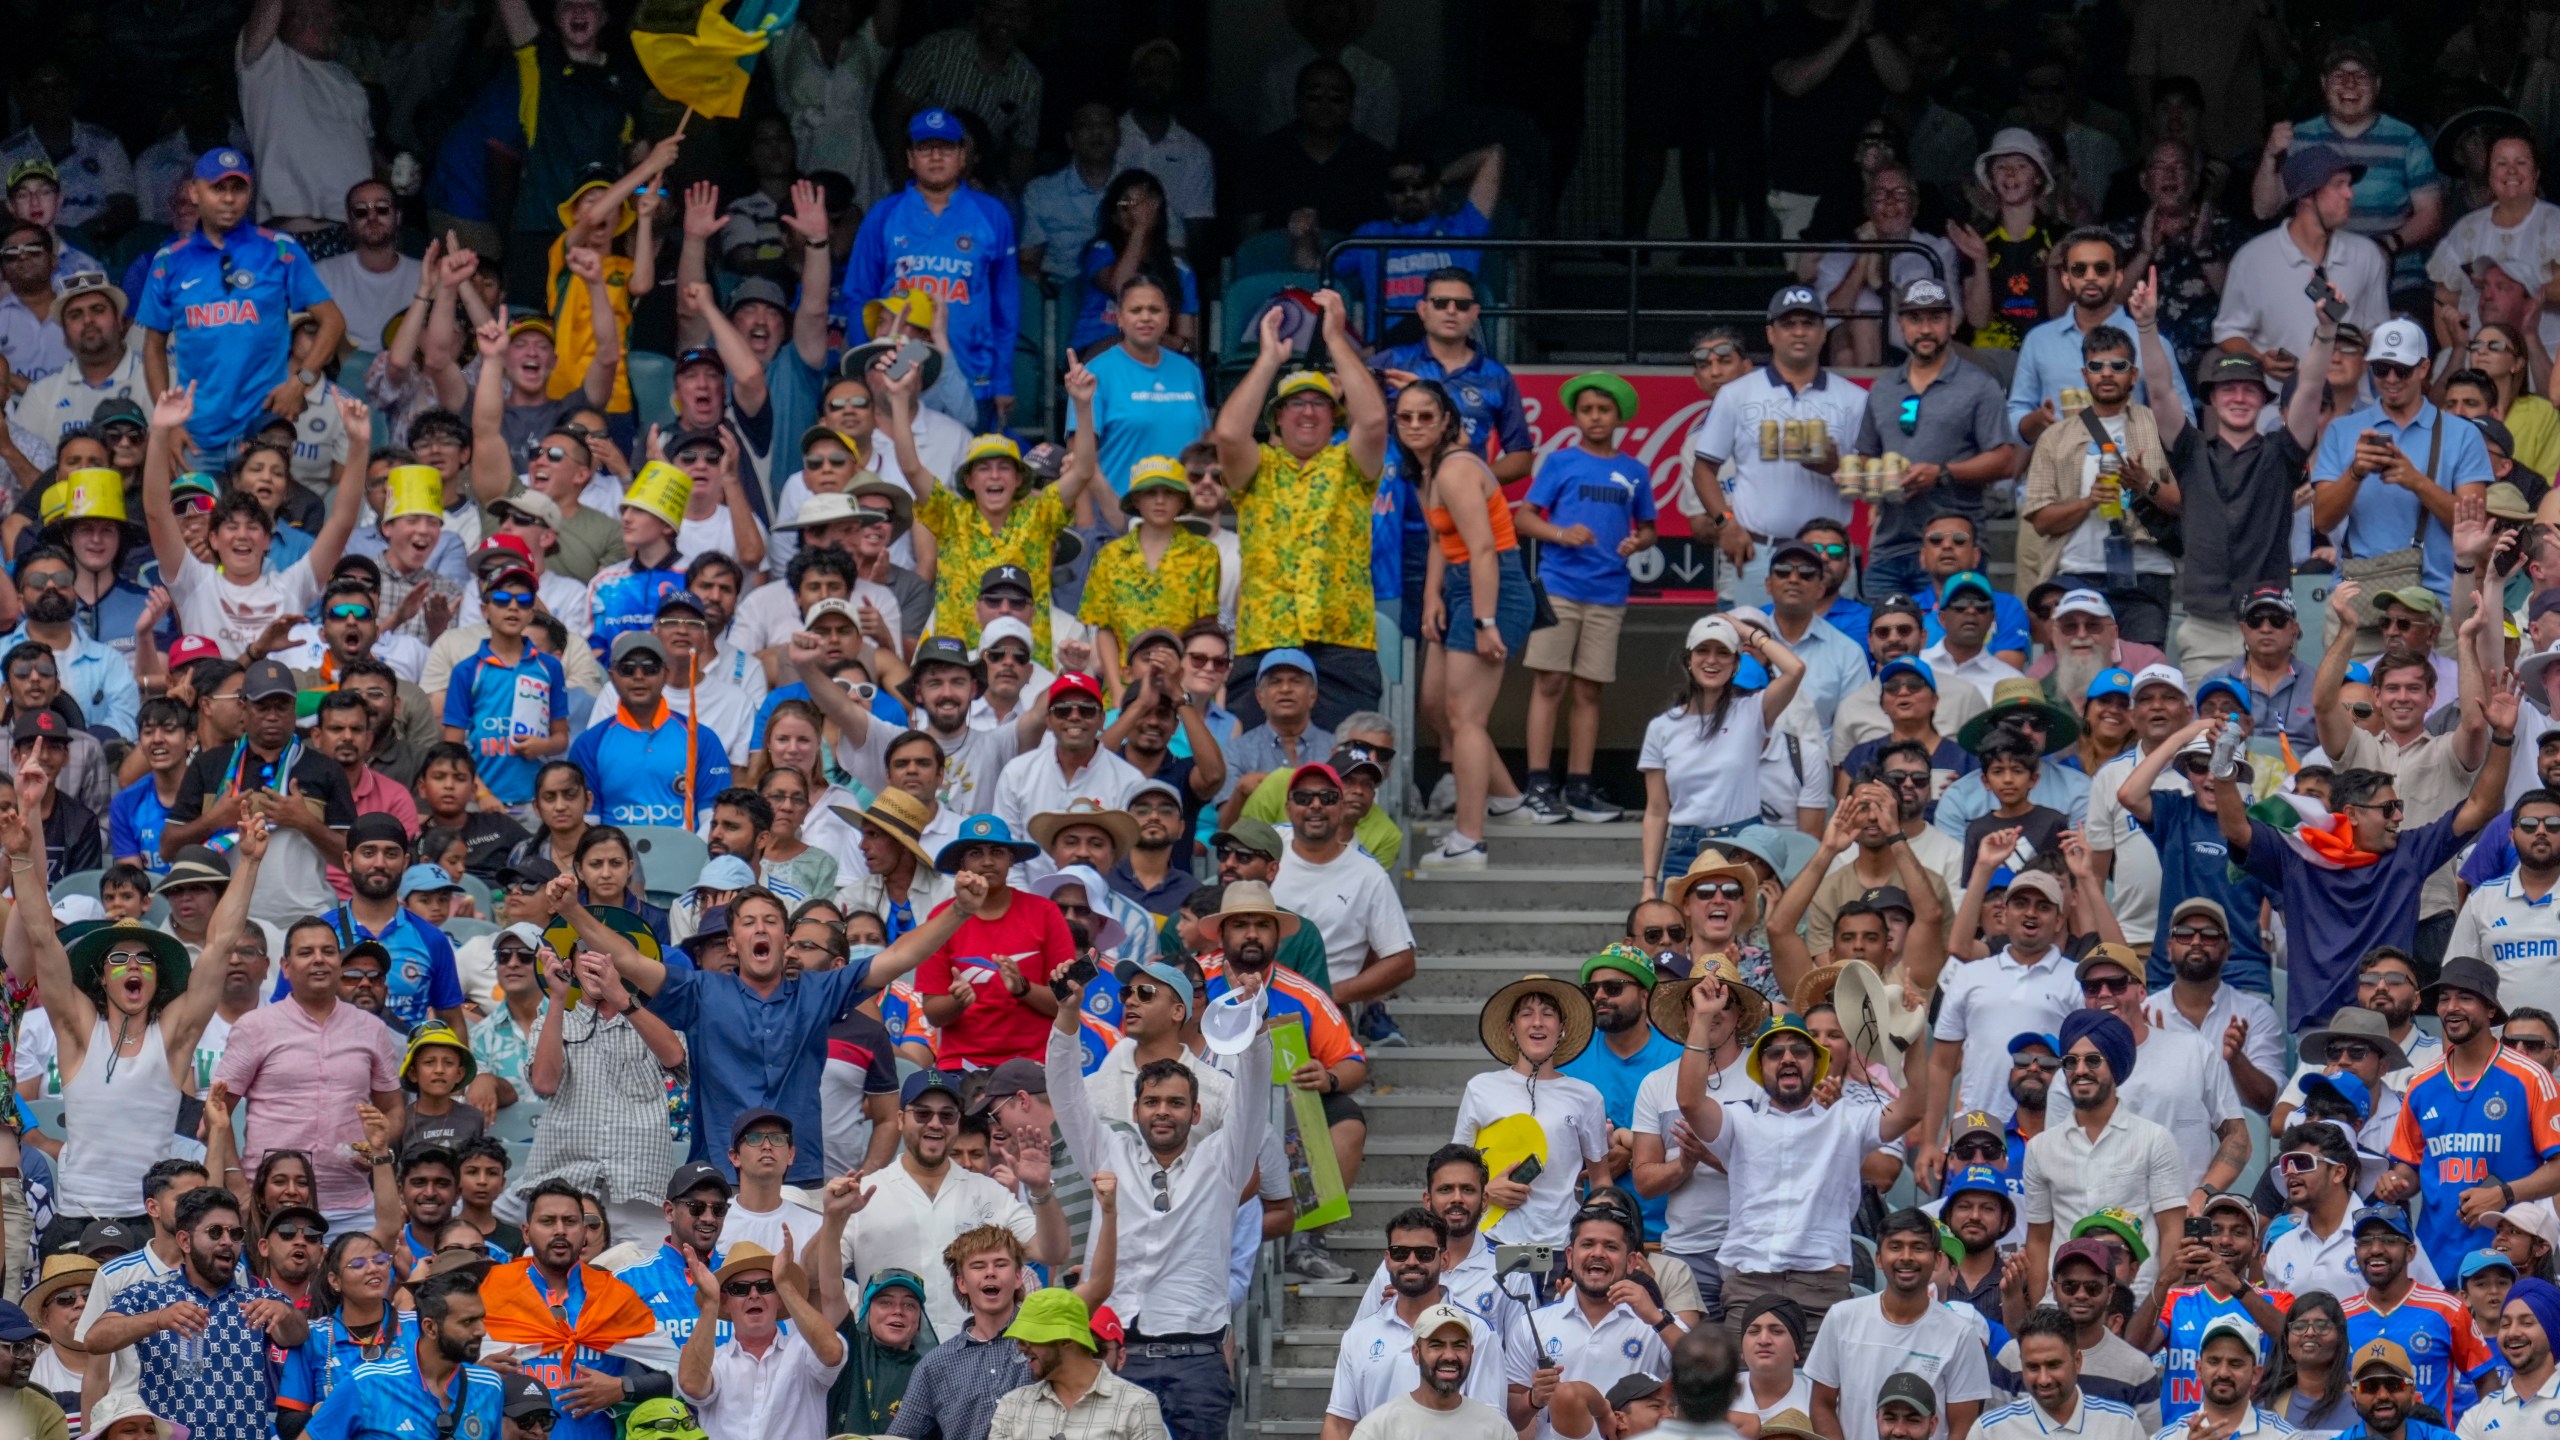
[
  {"x": 1526, "y": 1172},
  {"x": 2316, "y": 289},
  {"x": 2199, "y": 1228},
  {"x": 909, "y": 356},
  {"x": 1513, "y": 1259}
]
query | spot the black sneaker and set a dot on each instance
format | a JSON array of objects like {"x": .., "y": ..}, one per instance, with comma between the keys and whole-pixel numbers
[
  {"x": 1585, "y": 803},
  {"x": 1540, "y": 805}
]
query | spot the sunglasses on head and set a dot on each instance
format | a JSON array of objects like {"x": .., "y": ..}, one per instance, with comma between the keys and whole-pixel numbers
[{"x": 1714, "y": 351}]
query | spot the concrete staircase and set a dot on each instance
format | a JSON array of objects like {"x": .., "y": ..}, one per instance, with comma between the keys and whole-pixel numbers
[{"x": 1552, "y": 896}]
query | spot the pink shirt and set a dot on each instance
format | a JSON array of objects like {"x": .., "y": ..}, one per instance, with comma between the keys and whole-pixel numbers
[
  {"x": 302, "y": 1079},
  {"x": 378, "y": 792}
]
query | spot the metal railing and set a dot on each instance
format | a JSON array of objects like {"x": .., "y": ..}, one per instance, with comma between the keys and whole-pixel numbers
[{"x": 1632, "y": 253}]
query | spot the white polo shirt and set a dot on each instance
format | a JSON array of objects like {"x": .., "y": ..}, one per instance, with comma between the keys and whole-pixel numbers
[
  {"x": 2507, "y": 1415},
  {"x": 2262, "y": 297},
  {"x": 1776, "y": 497},
  {"x": 2299, "y": 1260},
  {"x": 1034, "y": 784},
  {"x": 53, "y": 403},
  {"x": 2090, "y": 1419},
  {"x": 1981, "y": 672},
  {"x": 1695, "y": 1213},
  {"x": 2180, "y": 1083},
  {"x": 1982, "y": 1003},
  {"x": 779, "y": 1395},
  {"x": 1375, "y": 1364},
  {"x": 1601, "y": 1354},
  {"x": 1795, "y": 1181},
  {"x": 2133, "y": 889},
  {"x": 2516, "y": 933}
]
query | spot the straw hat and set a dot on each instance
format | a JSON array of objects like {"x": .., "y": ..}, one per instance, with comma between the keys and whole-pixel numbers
[
  {"x": 60, "y": 1273},
  {"x": 1670, "y": 1000},
  {"x": 1493, "y": 1023},
  {"x": 1252, "y": 897},
  {"x": 1712, "y": 865},
  {"x": 1120, "y": 825},
  {"x": 899, "y": 815}
]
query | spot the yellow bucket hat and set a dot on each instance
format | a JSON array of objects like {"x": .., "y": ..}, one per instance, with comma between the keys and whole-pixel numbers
[
  {"x": 660, "y": 490},
  {"x": 415, "y": 490},
  {"x": 84, "y": 495},
  {"x": 1304, "y": 380},
  {"x": 992, "y": 447},
  {"x": 1156, "y": 472},
  {"x": 915, "y": 307}
]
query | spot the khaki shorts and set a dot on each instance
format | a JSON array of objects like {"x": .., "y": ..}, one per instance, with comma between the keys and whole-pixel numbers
[{"x": 1584, "y": 640}]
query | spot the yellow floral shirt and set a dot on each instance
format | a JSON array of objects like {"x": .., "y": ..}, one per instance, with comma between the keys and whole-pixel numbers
[
  {"x": 1123, "y": 596},
  {"x": 1304, "y": 545},
  {"x": 573, "y": 334},
  {"x": 969, "y": 549}
]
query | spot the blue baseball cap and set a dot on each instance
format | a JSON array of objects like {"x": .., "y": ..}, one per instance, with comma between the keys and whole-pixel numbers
[
  {"x": 1967, "y": 580},
  {"x": 915, "y": 1086},
  {"x": 425, "y": 879},
  {"x": 936, "y": 124},
  {"x": 2394, "y": 1216},
  {"x": 1750, "y": 674},
  {"x": 2359, "y": 672},
  {"x": 1907, "y": 665},
  {"x": 2485, "y": 1259},
  {"x": 2227, "y": 686},
  {"x": 2025, "y": 1038},
  {"x": 725, "y": 872},
  {"x": 2114, "y": 680},
  {"x": 1285, "y": 658},
  {"x": 221, "y": 163},
  {"x": 1127, "y": 972},
  {"x": 15, "y": 1327},
  {"x": 1984, "y": 1180},
  {"x": 2346, "y": 1087}
]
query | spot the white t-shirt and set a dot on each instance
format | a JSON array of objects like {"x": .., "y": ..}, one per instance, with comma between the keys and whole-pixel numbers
[
  {"x": 370, "y": 300},
  {"x": 1858, "y": 1348},
  {"x": 1350, "y": 901},
  {"x": 230, "y": 615},
  {"x": 1795, "y": 765},
  {"x": 1404, "y": 1418},
  {"x": 1576, "y": 1123},
  {"x": 1984, "y": 1002},
  {"x": 2180, "y": 1083},
  {"x": 2521, "y": 937},
  {"x": 1713, "y": 779},
  {"x": 2134, "y": 889},
  {"x": 311, "y": 128},
  {"x": 745, "y": 1226},
  {"x": 1694, "y": 1214},
  {"x": 1799, "y": 1397},
  {"x": 697, "y": 538}
]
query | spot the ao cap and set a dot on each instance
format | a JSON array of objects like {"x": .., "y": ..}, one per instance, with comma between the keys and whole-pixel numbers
[
  {"x": 1794, "y": 299},
  {"x": 693, "y": 1176},
  {"x": 102, "y": 1238},
  {"x": 2398, "y": 342},
  {"x": 1440, "y": 1317},
  {"x": 1924, "y": 294},
  {"x": 2150, "y": 675},
  {"x": 1906, "y": 1389}
]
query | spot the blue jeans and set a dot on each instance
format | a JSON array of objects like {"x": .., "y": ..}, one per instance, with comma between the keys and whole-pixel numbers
[
  {"x": 1681, "y": 846},
  {"x": 1710, "y": 1278},
  {"x": 1891, "y": 575},
  {"x": 1194, "y": 1391}
]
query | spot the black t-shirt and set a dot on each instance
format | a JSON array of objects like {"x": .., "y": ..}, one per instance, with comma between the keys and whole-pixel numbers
[
  {"x": 1344, "y": 191},
  {"x": 71, "y": 841},
  {"x": 2236, "y": 514},
  {"x": 487, "y": 839},
  {"x": 2037, "y": 829},
  {"x": 1814, "y": 132},
  {"x": 2020, "y": 284},
  {"x": 211, "y": 774}
]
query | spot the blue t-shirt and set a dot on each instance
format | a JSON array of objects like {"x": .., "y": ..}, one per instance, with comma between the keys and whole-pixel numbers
[
  {"x": 1616, "y": 1080},
  {"x": 628, "y": 601},
  {"x": 2333, "y": 918},
  {"x": 1612, "y": 496},
  {"x": 1488, "y": 398},
  {"x": 226, "y": 307},
  {"x": 316, "y": 1368},
  {"x": 485, "y": 700},
  {"x": 1141, "y": 411},
  {"x": 390, "y": 1398},
  {"x": 1097, "y": 318},
  {"x": 2189, "y": 1309},
  {"x": 2196, "y": 861},
  {"x": 135, "y": 819},
  {"x": 637, "y": 776},
  {"x": 1406, "y": 270},
  {"x": 964, "y": 257},
  {"x": 2501, "y": 1127},
  {"x": 2008, "y": 621}
]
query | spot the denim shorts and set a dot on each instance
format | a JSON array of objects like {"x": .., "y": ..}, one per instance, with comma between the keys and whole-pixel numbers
[
  {"x": 1513, "y": 607},
  {"x": 1680, "y": 846}
]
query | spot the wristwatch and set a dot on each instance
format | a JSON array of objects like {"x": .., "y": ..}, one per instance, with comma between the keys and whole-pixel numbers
[
  {"x": 308, "y": 378},
  {"x": 1486, "y": 622}
]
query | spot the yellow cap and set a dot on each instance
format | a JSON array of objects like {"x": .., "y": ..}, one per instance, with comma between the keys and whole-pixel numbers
[
  {"x": 660, "y": 490},
  {"x": 1303, "y": 380},
  {"x": 568, "y": 209},
  {"x": 992, "y": 447},
  {"x": 415, "y": 490},
  {"x": 912, "y": 306},
  {"x": 84, "y": 495}
]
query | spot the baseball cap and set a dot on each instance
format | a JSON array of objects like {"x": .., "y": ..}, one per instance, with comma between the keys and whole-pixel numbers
[
  {"x": 1794, "y": 549},
  {"x": 1904, "y": 1388},
  {"x": 1792, "y": 299},
  {"x": 15, "y": 1327},
  {"x": 40, "y": 725},
  {"x": 2042, "y": 883},
  {"x": 1002, "y": 628},
  {"x": 499, "y": 554},
  {"x": 426, "y": 878},
  {"x": 2382, "y": 1355},
  {"x": 2083, "y": 602},
  {"x": 2268, "y": 597},
  {"x": 32, "y": 168},
  {"x": 634, "y": 642},
  {"x": 923, "y": 1082},
  {"x": 2150, "y": 675},
  {"x": 2486, "y": 1259},
  {"x": 1287, "y": 657},
  {"x": 2025, "y": 1038},
  {"x": 1127, "y": 972},
  {"x": 1006, "y": 577},
  {"x": 1251, "y": 834},
  {"x": 1075, "y": 683},
  {"x": 2397, "y": 342},
  {"x": 191, "y": 648},
  {"x": 681, "y": 600},
  {"x": 832, "y": 605},
  {"x": 1013, "y": 1077},
  {"x": 2394, "y": 1216},
  {"x": 693, "y": 1176},
  {"x": 1319, "y": 770},
  {"x": 1968, "y": 580},
  {"x": 1907, "y": 665},
  {"x": 533, "y": 505},
  {"x": 936, "y": 124},
  {"x": 526, "y": 1397},
  {"x": 1440, "y": 1317},
  {"x": 757, "y": 290},
  {"x": 2238, "y": 1327},
  {"x": 1356, "y": 756},
  {"x": 753, "y": 1118},
  {"x": 1924, "y": 294},
  {"x": 1980, "y": 1122},
  {"x": 223, "y": 162},
  {"x": 268, "y": 679}
]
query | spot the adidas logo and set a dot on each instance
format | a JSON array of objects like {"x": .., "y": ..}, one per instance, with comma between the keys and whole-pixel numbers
[{"x": 660, "y": 1298}]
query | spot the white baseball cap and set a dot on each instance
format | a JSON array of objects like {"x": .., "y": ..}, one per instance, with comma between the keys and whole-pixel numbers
[
  {"x": 2150, "y": 675},
  {"x": 1230, "y": 1022},
  {"x": 1004, "y": 627},
  {"x": 2399, "y": 342},
  {"x": 2082, "y": 602}
]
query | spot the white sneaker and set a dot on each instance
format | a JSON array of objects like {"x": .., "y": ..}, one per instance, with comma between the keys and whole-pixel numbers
[
  {"x": 1453, "y": 853},
  {"x": 1444, "y": 795}
]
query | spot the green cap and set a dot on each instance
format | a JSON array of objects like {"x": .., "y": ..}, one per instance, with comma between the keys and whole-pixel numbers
[
  {"x": 2118, "y": 1223},
  {"x": 1052, "y": 1315},
  {"x": 1607, "y": 384},
  {"x": 1624, "y": 957}
]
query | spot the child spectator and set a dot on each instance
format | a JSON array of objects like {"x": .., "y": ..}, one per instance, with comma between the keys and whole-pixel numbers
[
  {"x": 448, "y": 783},
  {"x": 435, "y": 1070},
  {"x": 508, "y": 701},
  {"x": 125, "y": 892},
  {"x": 139, "y": 811},
  {"x": 2010, "y": 766},
  {"x": 1592, "y": 507},
  {"x": 482, "y": 1180},
  {"x": 427, "y": 892}
]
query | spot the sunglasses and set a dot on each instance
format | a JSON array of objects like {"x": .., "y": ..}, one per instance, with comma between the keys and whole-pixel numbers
[
  {"x": 1241, "y": 855},
  {"x": 553, "y": 453},
  {"x": 515, "y": 955},
  {"x": 1907, "y": 779},
  {"x": 741, "y": 1289},
  {"x": 2298, "y": 1163},
  {"x": 297, "y": 1230},
  {"x": 382, "y": 208},
  {"x": 2387, "y": 979},
  {"x": 2106, "y": 367},
  {"x": 1718, "y": 889},
  {"x": 1409, "y": 1254},
  {"x": 1709, "y": 354},
  {"x": 1665, "y": 934},
  {"x": 826, "y": 462},
  {"x": 1445, "y": 303},
  {"x": 2381, "y": 1385},
  {"x": 2196, "y": 932},
  {"x": 2088, "y": 1288},
  {"x": 2268, "y": 620},
  {"x": 351, "y": 611},
  {"x": 45, "y": 580},
  {"x": 718, "y": 1209},
  {"x": 2529, "y": 1044},
  {"x": 2091, "y": 1064},
  {"x": 2537, "y": 824},
  {"x": 1076, "y": 710},
  {"x": 2388, "y": 370},
  {"x": 637, "y": 666},
  {"x": 1979, "y": 1149},
  {"x": 2387, "y": 809},
  {"x": 1208, "y": 662},
  {"x": 2352, "y": 1051},
  {"x": 2108, "y": 985},
  {"x": 2044, "y": 1063},
  {"x": 850, "y": 402},
  {"x": 1608, "y": 989},
  {"x": 1315, "y": 797},
  {"x": 20, "y": 252},
  {"x": 1795, "y": 572},
  {"x": 512, "y": 599},
  {"x": 2091, "y": 267},
  {"x": 33, "y": 667}
]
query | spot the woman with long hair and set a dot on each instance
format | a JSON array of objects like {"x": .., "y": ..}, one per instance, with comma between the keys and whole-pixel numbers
[
  {"x": 789, "y": 856},
  {"x": 2305, "y": 1384},
  {"x": 561, "y": 801},
  {"x": 352, "y": 1319},
  {"x": 609, "y": 875},
  {"x": 1133, "y": 239},
  {"x": 1476, "y": 606},
  {"x": 1701, "y": 758},
  {"x": 284, "y": 1178},
  {"x": 2508, "y": 359}
]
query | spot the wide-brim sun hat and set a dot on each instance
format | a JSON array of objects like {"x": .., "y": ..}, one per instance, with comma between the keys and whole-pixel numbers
[
  {"x": 169, "y": 961},
  {"x": 1108, "y": 932},
  {"x": 1711, "y": 865},
  {"x": 1120, "y": 825},
  {"x": 1669, "y": 1002},
  {"x": 1872, "y": 1015},
  {"x": 2022, "y": 697},
  {"x": 1493, "y": 1022},
  {"x": 1157, "y": 473}
]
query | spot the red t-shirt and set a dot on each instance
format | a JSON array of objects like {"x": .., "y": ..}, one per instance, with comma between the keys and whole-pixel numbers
[{"x": 996, "y": 1027}]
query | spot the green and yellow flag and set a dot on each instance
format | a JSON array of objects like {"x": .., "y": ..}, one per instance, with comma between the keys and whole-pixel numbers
[{"x": 698, "y": 56}]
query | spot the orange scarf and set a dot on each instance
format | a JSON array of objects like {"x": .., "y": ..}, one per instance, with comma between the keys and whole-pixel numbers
[
  {"x": 610, "y": 1313},
  {"x": 2337, "y": 844}
]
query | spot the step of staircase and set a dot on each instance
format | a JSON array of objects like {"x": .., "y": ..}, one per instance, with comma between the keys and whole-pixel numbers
[
  {"x": 1549, "y": 935},
  {"x": 1442, "y": 974},
  {"x": 1538, "y": 846},
  {"x": 1504, "y": 886}
]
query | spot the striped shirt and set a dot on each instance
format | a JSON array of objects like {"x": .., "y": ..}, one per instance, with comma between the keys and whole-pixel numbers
[
  {"x": 606, "y": 1130},
  {"x": 955, "y": 1390},
  {"x": 943, "y": 70},
  {"x": 2091, "y": 1419}
]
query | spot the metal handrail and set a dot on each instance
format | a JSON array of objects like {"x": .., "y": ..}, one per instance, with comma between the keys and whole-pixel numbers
[{"x": 1633, "y": 252}]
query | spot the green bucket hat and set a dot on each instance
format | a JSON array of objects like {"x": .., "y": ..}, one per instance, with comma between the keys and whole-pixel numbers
[
  {"x": 1622, "y": 957},
  {"x": 2021, "y": 697},
  {"x": 1051, "y": 1315},
  {"x": 1607, "y": 384},
  {"x": 1156, "y": 472},
  {"x": 89, "y": 951}
]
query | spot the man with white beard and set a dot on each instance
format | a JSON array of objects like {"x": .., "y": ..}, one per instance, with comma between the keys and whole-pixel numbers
[{"x": 2084, "y": 641}]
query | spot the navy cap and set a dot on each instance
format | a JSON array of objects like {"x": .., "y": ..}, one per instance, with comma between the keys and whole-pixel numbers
[
  {"x": 916, "y": 1086},
  {"x": 943, "y": 650},
  {"x": 2394, "y": 1216},
  {"x": 936, "y": 124},
  {"x": 15, "y": 1327},
  {"x": 681, "y": 600},
  {"x": 751, "y": 1120},
  {"x": 1792, "y": 299}
]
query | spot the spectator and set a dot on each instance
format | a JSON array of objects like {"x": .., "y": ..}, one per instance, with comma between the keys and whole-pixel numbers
[
  {"x": 2180, "y": 819},
  {"x": 1771, "y": 493},
  {"x": 2027, "y": 992},
  {"x": 1457, "y": 1360},
  {"x": 90, "y": 313},
  {"x": 2013, "y": 284},
  {"x": 2393, "y": 1309},
  {"x": 1058, "y": 209},
  {"x": 2507, "y": 904},
  {"x": 578, "y": 101},
  {"x": 979, "y": 70},
  {"x": 963, "y": 256},
  {"x": 651, "y": 773},
  {"x": 1591, "y": 508},
  {"x": 955, "y": 1389},
  {"x": 2185, "y": 1088},
  {"x": 1894, "y": 633},
  {"x": 1346, "y": 896},
  {"x": 372, "y": 282},
  {"x": 2515, "y": 233},
  {"x": 1326, "y": 30},
  {"x": 1698, "y": 783},
  {"x": 774, "y": 1377},
  {"x": 1534, "y": 1026},
  {"x": 1951, "y": 545},
  {"x": 2399, "y": 201},
  {"x": 2183, "y": 244},
  {"x": 2104, "y": 544},
  {"x": 827, "y": 71},
  {"x": 2508, "y": 1144},
  {"x": 1132, "y": 241},
  {"x": 2521, "y": 1315},
  {"x": 2308, "y": 1375},
  {"x": 1070, "y": 1384},
  {"x": 1148, "y": 400},
  {"x": 236, "y": 349},
  {"x": 1853, "y": 1364},
  {"x": 203, "y": 1330},
  {"x": 1394, "y": 281},
  {"x": 1151, "y": 139},
  {"x": 98, "y": 196},
  {"x": 2108, "y": 1156},
  {"x": 1955, "y": 445},
  {"x": 27, "y": 342},
  {"x": 87, "y": 669},
  {"x": 1595, "y": 1335},
  {"x": 1831, "y": 68},
  {"x": 1315, "y": 172},
  {"x": 306, "y": 115},
  {"x": 1868, "y": 286},
  {"x": 2048, "y": 1353},
  {"x": 2262, "y": 309},
  {"x": 2491, "y": 387}
]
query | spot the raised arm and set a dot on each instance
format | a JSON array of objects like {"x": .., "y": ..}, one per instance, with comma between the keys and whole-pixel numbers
[
  {"x": 1232, "y": 432},
  {"x": 2159, "y": 368},
  {"x": 493, "y": 469},
  {"x": 169, "y": 417},
  {"x": 265, "y": 19},
  {"x": 2302, "y": 412},
  {"x": 604, "y": 328},
  {"x": 807, "y": 222},
  {"x": 643, "y": 972},
  {"x": 1364, "y": 403},
  {"x": 746, "y": 373},
  {"x": 30, "y": 928},
  {"x": 349, "y": 501},
  {"x": 1788, "y": 952},
  {"x": 852, "y": 718},
  {"x": 1786, "y": 669},
  {"x": 2327, "y": 715},
  {"x": 184, "y": 1021},
  {"x": 2489, "y": 788},
  {"x": 2135, "y": 793}
]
